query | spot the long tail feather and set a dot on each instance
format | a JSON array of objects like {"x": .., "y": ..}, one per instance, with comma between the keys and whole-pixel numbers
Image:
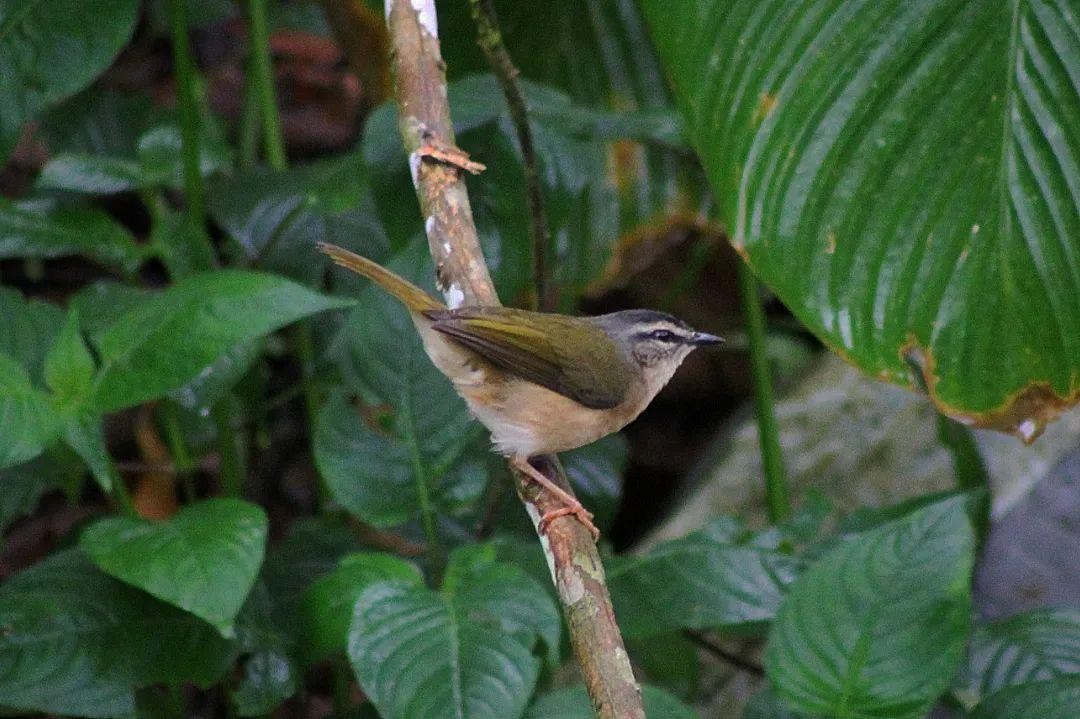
[{"x": 409, "y": 294}]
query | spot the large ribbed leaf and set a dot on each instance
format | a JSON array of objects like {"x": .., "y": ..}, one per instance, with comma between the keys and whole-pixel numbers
[
  {"x": 1041, "y": 644},
  {"x": 468, "y": 651},
  {"x": 77, "y": 642},
  {"x": 905, "y": 174},
  {"x": 203, "y": 560},
  {"x": 1051, "y": 699},
  {"x": 876, "y": 629}
]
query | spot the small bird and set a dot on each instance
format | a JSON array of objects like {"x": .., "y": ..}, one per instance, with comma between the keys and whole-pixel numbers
[{"x": 543, "y": 383}]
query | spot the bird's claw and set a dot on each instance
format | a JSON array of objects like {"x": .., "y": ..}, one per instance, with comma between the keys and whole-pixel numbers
[{"x": 578, "y": 511}]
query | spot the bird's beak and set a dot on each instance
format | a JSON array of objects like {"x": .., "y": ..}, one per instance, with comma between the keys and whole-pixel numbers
[{"x": 703, "y": 338}]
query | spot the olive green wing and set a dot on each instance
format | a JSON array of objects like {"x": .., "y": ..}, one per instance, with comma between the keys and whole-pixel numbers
[{"x": 561, "y": 353}]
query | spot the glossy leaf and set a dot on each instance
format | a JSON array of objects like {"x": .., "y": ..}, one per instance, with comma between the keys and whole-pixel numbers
[
  {"x": 574, "y": 703},
  {"x": 50, "y": 49},
  {"x": 83, "y": 433},
  {"x": 878, "y": 626},
  {"x": 1050, "y": 699},
  {"x": 327, "y": 605},
  {"x": 77, "y": 642},
  {"x": 166, "y": 341},
  {"x": 204, "y": 560},
  {"x": 1028, "y": 647},
  {"x": 466, "y": 651},
  {"x": 26, "y": 414},
  {"x": 717, "y": 578},
  {"x": 903, "y": 175},
  {"x": 39, "y": 230}
]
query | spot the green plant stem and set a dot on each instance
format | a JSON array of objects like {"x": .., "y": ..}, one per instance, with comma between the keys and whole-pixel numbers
[
  {"x": 777, "y": 498},
  {"x": 264, "y": 84},
  {"x": 968, "y": 467},
  {"x": 174, "y": 438},
  {"x": 200, "y": 250},
  {"x": 232, "y": 480},
  {"x": 250, "y": 126},
  {"x": 120, "y": 493}
]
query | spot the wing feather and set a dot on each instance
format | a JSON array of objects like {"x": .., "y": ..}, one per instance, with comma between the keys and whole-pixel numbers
[{"x": 580, "y": 365}]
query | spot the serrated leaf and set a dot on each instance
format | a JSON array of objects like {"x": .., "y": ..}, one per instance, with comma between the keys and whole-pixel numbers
[
  {"x": 167, "y": 340},
  {"x": 717, "y": 578},
  {"x": 50, "y": 49},
  {"x": 1050, "y": 699},
  {"x": 574, "y": 703},
  {"x": 420, "y": 653},
  {"x": 1028, "y": 647},
  {"x": 69, "y": 368},
  {"x": 878, "y": 626},
  {"x": 903, "y": 175},
  {"x": 326, "y": 608},
  {"x": 26, "y": 414},
  {"x": 204, "y": 560},
  {"x": 48, "y": 231},
  {"x": 78, "y": 642}
]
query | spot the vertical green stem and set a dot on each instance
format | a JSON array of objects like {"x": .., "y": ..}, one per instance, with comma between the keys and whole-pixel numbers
[
  {"x": 968, "y": 468},
  {"x": 174, "y": 438},
  {"x": 777, "y": 498},
  {"x": 250, "y": 125},
  {"x": 200, "y": 251},
  {"x": 264, "y": 84},
  {"x": 232, "y": 479},
  {"x": 120, "y": 494}
]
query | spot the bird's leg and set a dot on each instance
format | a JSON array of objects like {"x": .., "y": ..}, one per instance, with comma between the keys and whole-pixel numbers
[{"x": 572, "y": 505}]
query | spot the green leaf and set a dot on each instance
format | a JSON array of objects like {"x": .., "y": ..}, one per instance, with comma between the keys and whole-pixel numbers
[
  {"x": 326, "y": 609},
  {"x": 78, "y": 642},
  {"x": 27, "y": 330},
  {"x": 717, "y": 578},
  {"x": 573, "y": 703},
  {"x": 84, "y": 433},
  {"x": 269, "y": 679},
  {"x": 903, "y": 175},
  {"x": 23, "y": 485},
  {"x": 1035, "y": 645},
  {"x": 878, "y": 626},
  {"x": 47, "y": 231},
  {"x": 204, "y": 560},
  {"x": 69, "y": 368},
  {"x": 766, "y": 705},
  {"x": 1050, "y": 699},
  {"x": 467, "y": 651},
  {"x": 26, "y": 414},
  {"x": 158, "y": 163},
  {"x": 99, "y": 121},
  {"x": 50, "y": 49},
  {"x": 276, "y": 217},
  {"x": 596, "y": 472},
  {"x": 381, "y": 473},
  {"x": 166, "y": 341}
]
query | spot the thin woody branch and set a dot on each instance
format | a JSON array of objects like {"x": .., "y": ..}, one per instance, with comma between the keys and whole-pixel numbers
[
  {"x": 424, "y": 122},
  {"x": 489, "y": 38}
]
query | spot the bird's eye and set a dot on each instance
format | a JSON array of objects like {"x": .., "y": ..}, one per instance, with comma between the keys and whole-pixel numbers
[{"x": 663, "y": 335}]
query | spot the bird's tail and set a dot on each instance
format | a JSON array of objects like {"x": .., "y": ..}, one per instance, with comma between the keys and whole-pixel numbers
[{"x": 409, "y": 294}]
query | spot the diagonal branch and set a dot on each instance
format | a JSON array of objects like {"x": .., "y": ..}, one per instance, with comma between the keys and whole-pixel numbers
[{"x": 424, "y": 122}]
